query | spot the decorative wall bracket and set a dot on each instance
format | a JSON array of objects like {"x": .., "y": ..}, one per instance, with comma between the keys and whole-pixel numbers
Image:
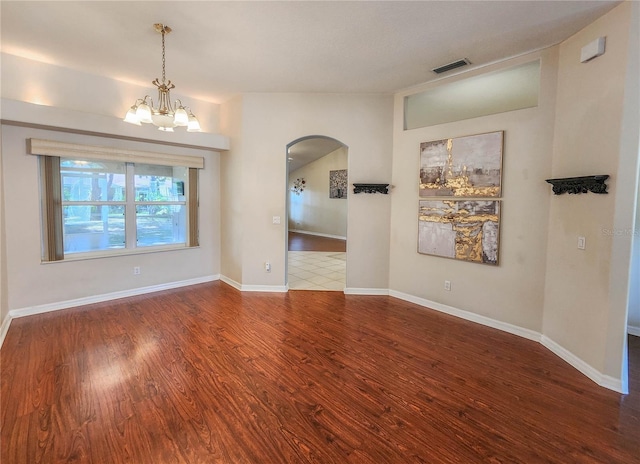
[
  {"x": 594, "y": 184},
  {"x": 371, "y": 188}
]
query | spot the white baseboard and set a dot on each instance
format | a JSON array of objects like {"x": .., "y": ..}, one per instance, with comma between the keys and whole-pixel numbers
[
  {"x": 228, "y": 281},
  {"x": 265, "y": 288},
  {"x": 366, "y": 291},
  {"x": 469, "y": 316},
  {"x": 598, "y": 377},
  {"x": 633, "y": 330},
  {"x": 5, "y": 328},
  {"x": 254, "y": 288},
  {"x": 39, "y": 309},
  {"x": 339, "y": 237}
]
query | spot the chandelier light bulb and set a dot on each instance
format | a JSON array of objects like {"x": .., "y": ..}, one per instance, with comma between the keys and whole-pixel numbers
[
  {"x": 193, "y": 125},
  {"x": 181, "y": 117},
  {"x": 144, "y": 113},
  {"x": 131, "y": 116}
]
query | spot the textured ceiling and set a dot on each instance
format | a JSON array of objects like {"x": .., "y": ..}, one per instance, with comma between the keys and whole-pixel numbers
[
  {"x": 219, "y": 49},
  {"x": 310, "y": 149}
]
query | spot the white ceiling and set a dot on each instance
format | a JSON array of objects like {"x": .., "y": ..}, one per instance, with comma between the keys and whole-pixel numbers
[
  {"x": 310, "y": 149},
  {"x": 219, "y": 49}
]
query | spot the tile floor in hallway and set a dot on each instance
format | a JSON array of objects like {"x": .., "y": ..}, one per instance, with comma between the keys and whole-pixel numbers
[{"x": 317, "y": 270}]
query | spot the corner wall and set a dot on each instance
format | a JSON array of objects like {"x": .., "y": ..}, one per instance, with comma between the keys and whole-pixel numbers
[
  {"x": 232, "y": 191},
  {"x": 4, "y": 304},
  {"x": 631, "y": 122},
  {"x": 585, "y": 297}
]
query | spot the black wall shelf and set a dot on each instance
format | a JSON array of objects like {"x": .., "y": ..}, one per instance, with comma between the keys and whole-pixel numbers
[
  {"x": 584, "y": 184},
  {"x": 371, "y": 188}
]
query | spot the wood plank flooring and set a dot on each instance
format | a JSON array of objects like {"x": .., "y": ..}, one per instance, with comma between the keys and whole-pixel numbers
[
  {"x": 308, "y": 242},
  {"x": 207, "y": 374}
]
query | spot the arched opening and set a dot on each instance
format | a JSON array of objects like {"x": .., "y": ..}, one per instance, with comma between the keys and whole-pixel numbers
[{"x": 317, "y": 180}]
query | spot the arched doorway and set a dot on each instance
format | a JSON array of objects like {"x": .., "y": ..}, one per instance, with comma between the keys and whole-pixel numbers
[{"x": 316, "y": 213}]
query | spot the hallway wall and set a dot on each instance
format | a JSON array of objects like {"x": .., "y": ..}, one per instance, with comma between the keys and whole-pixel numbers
[
  {"x": 269, "y": 123},
  {"x": 312, "y": 210}
]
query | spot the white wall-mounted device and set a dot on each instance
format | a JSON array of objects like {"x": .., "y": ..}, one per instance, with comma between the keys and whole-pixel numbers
[{"x": 592, "y": 50}]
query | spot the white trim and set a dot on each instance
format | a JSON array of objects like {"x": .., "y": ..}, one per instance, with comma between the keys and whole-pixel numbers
[
  {"x": 45, "y": 308},
  {"x": 366, "y": 291},
  {"x": 265, "y": 288},
  {"x": 231, "y": 282},
  {"x": 254, "y": 288},
  {"x": 633, "y": 330},
  {"x": 601, "y": 379},
  {"x": 598, "y": 377},
  {"x": 469, "y": 316},
  {"x": 339, "y": 237},
  {"x": 21, "y": 113},
  {"x": 5, "y": 328}
]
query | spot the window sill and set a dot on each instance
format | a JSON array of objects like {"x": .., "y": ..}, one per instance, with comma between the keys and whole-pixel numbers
[{"x": 119, "y": 253}]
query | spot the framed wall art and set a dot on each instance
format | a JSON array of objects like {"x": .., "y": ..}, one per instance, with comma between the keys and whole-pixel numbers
[
  {"x": 338, "y": 184},
  {"x": 467, "y": 230},
  {"x": 469, "y": 166}
]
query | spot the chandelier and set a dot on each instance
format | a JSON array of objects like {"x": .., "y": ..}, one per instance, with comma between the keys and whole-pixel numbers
[{"x": 166, "y": 115}]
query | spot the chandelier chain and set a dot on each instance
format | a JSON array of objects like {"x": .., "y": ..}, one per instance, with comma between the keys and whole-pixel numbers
[{"x": 163, "y": 59}]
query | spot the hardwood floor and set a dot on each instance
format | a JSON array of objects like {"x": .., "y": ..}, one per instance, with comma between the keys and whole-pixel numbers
[
  {"x": 307, "y": 242},
  {"x": 207, "y": 374}
]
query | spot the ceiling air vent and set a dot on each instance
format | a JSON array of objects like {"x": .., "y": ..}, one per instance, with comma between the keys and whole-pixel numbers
[{"x": 450, "y": 66}]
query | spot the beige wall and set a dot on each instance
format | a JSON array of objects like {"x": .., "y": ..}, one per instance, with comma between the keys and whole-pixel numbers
[
  {"x": 31, "y": 283},
  {"x": 4, "y": 306},
  {"x": 313, "y": 210},
  {"x": 233, "y": 193},
  {"x": 269, "y": 123},
  {"x": 586, "y": 290},
  {"x": 586, "y": 123},
  {"x": 46, "y": 84},
  {"x": 631, "y": 144},
  {"x": 511, "y": 292}
]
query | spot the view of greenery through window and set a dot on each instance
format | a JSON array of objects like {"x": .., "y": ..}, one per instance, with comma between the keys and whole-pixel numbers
[{"x": 97, "y": 210}]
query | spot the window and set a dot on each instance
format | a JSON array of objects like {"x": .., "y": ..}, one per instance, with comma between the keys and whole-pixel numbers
[
  {"x": 500, "y": 91},
  {"x": 93, "y": 205},
  {"x": 161, "y": 210},
  {"x": 120, "y": 204}
]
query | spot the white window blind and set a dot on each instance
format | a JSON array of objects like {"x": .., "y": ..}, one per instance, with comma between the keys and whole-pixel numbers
[{"x": 90, "y": 152}]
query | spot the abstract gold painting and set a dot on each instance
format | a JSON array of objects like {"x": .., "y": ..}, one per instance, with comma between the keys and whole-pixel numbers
[
  {"x": 469, "y": 166},
  {"x": 467, "y": 230}
]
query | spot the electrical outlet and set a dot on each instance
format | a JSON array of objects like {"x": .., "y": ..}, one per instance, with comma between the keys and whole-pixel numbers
[
  {"x": 582, "y": 243},
  {"x": 447, "y": 285},
  {"x": 136, "y": 270},
  {"x": 267, "y": 266}
]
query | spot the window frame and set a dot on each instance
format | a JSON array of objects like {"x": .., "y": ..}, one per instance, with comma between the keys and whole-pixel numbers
[{"x": 50, "y": 153}]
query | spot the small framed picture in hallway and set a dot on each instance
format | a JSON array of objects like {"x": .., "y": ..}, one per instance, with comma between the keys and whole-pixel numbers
[{"x": 338, "y": 184}]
